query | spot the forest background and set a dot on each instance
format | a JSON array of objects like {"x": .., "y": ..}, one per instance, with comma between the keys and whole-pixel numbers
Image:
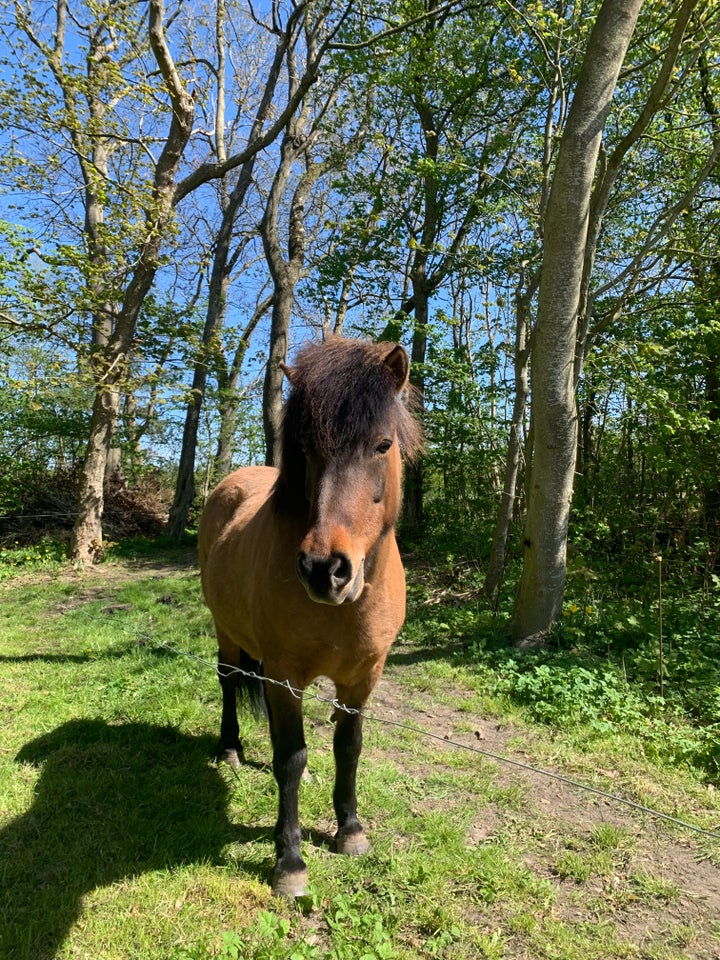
[{"x": 524, "y": 194}]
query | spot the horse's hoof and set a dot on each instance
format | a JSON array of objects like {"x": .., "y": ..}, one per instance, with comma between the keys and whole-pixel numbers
[
  {"x": 232, "y": 757},
  {"x": 290, "y": 885},
  {"x": 352, "y": 844}
]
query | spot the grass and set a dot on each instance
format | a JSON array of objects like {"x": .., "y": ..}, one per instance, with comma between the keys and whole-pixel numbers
[{"x": 121, "y": 838}]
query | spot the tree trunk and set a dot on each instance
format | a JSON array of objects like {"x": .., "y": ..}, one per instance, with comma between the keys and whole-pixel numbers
[
  {"x": 185, "y": 482},
  {"x": 223, "y": 459},
  {"x": 711, "y": 486},
  {"x": 167, "y": 192},
  {"x": 554, "y": 115},
  {"x": 286, "y": 271},
  {"x": 113, "y": 466},
  {"x": 412, "y": 516},
  {"x": 421, "y": 291},
  {"x": 496, "y": 563},
  {"x": 272, "y": 386},
  {"x": 217, "y": 295},
  {"x": 710, "y": 280},
  {"x": 554, "y": 414},
  {"x": 86, "y": 540},
  {"x": 219, "y": 283},
  {"x": 87, "y": 532},
  {"x": 228, "y": 379}
]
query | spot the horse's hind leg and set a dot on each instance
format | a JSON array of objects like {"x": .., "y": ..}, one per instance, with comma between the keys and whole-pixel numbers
[
  {"x": 347, "y": 745},
  {"x": 289, "y": 758},
  {"x": 240, "y": 677},
  {"x": 230, "y": 749}
]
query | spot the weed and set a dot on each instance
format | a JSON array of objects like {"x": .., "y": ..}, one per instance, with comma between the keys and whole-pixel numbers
[
  {"x": 650, "y": 886},
  {"x": 271, "y": 937},
  {"x": 607, "y": 836},
  {"x": 574, "y": 866},
  {"x": 47, "y": 555},
  {"x": 359, "y": 932},
  {"x": 683, "y": 935}
]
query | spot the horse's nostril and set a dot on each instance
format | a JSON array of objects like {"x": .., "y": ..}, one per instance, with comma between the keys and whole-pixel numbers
[
  {"x": 304, "y": 564},
  {"x": 324, "y": 577},
  {"x": 340, "y": 569}
]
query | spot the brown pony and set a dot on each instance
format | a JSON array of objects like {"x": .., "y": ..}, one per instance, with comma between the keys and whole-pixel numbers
[{"x": 302, "y": 573}]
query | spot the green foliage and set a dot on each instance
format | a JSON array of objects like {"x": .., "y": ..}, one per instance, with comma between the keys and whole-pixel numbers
[
  {"x": 599, "y": 674},
  {"x": 265, "y": 939},
  {"x": 358, "y": 930},
  {"x": 654, "y": 460},
  {"x": 21, "y": 559},
  {"x": 359, "y": 933},
  {"x": 43, "y": 418},
  {"x": 561, "y": 693},
  {"x": 462, "y": 437}
]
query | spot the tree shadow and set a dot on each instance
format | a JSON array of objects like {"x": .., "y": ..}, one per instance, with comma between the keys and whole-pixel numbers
[
  {"x": 113, "y": 801},
  {"x": 453, "y": 651}
]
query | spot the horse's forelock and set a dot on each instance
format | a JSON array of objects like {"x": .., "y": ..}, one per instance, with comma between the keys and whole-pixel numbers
[{"x": 341, "y": 391}]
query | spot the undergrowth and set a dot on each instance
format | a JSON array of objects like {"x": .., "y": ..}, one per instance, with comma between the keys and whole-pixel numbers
[
  {"x": 601, "y": 667},
  {"x": 42, "y": 556}
]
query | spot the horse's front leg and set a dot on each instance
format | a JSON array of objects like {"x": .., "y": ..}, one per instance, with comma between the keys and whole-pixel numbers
[
  {"x": 289, "y": 877},
  {"x": 347, "y": 744}
]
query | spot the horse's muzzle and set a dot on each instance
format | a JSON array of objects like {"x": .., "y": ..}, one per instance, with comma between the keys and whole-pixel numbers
[{"x": 332, "y": 579}]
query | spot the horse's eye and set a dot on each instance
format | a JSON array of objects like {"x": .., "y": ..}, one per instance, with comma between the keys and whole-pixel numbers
[{"x": 383, "y": 446}]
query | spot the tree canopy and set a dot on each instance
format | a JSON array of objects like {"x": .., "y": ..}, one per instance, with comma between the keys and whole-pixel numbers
[{"x": 188, "y": 191}]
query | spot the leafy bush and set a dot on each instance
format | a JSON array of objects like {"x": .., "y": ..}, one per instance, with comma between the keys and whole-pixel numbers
[
  {"x": 601, "y": 672},
  {"x": 560, "y": 694}
]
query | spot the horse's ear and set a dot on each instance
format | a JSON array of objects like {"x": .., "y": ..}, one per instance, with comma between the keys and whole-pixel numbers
[
  {"x": 397, "y": 361},
  {"x": 288, "y": 371}
]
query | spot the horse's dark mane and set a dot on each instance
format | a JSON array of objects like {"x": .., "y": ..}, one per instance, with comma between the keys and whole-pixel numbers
[{"x": 341, "y": 390}]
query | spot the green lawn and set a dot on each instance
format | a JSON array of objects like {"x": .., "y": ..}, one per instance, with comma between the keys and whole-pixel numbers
[{"x": 121, "y": 838}]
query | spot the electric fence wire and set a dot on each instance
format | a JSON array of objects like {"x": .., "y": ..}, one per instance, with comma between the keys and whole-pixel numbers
[{"x": 146, "y": 641}]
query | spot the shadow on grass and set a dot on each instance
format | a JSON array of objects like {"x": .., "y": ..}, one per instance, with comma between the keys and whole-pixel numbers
[
  {"x": 151, "y": 551},
  {"x": 456, "y": 652},
  {"x": 112, "y": 802},
  {"x": 60, "y": 658}
]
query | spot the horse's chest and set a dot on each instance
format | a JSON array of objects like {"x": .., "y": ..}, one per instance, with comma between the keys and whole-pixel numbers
[{"x": 326, "y": 641}]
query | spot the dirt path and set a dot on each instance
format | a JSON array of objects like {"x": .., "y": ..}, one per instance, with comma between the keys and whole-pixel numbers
[{"x": 658, "y": 861}]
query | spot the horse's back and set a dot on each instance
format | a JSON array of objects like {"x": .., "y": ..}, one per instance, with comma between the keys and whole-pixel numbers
[{"x": 232, "y": 504}]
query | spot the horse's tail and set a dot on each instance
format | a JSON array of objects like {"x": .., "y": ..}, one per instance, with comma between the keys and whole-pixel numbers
[{"x": 251, "y": 688}]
